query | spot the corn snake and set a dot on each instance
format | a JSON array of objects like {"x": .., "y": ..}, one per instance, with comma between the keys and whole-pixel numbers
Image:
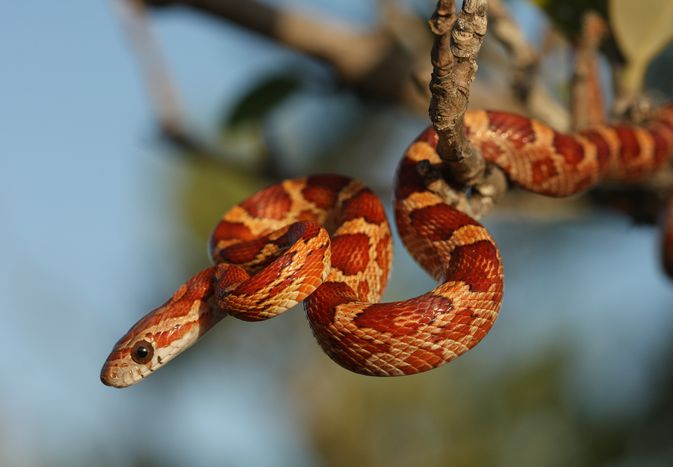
[{"x": 325, "y": 240}]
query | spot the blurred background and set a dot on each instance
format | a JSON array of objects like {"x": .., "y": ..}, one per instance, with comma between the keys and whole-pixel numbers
[{"x": 104, "y": 216}]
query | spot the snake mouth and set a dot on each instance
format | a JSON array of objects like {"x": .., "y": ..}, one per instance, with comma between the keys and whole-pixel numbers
[
  {"x": 116, "y": 376},
  {"x": 109, "y": 377}
]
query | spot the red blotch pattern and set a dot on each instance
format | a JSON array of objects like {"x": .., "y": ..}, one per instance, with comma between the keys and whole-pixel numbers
[
  {"x": 226, "y": 230},
  {"x": 439, "y": 221},
  {"x": 270, "y": 203},
  {"x": 602, "y": 147},
  {"x": 630, "y": 149},
  {"x": 408, "y": 180},
  {"x": 476, "y": 264},
  {"x": 350, "y": 253},
  {"x": 518, "y": 129},
  {"x": 323, "y": 190},
  {"x": 403, "y": 318},
  {"x": 321, "y": 305},
  {"x": 569, "y": 148},
  {"x": 491, "y": 150},
  {"x": 241, "y": 253},
  {"x": 661, "y": 148},
  {"x": 543, "y": 170},
  {"x": 365, "y": 204},
  {"x": 307, "y": 215}
]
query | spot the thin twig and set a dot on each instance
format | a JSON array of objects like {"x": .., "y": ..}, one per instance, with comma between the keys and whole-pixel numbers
[
  {"x": 526, "y": 88},
  {"x": 586, "y": 101},
  {"x": 524, "y": 57},
  {"x": 163, "y": 94}
]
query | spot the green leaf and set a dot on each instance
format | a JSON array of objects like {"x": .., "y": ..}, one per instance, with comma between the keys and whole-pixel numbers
[
  {"x": 642, "y": 29},
  {"x": 261, "y": 99}
]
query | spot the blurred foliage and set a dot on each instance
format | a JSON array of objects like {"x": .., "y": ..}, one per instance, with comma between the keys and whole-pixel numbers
[
  {"x": 659, "y": 71},
  {"x": 259, "y": 100},
  {"x": 456, "y": 417},
  {"x": 463, "y": 416},
  {"x": 208, "y": 191},
  {"x": 567, "y": 14},
  {"x": 642, "y": 28}
]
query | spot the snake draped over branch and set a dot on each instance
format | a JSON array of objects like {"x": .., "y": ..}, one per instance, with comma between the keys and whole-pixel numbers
[{"x": 325, "y": 240}]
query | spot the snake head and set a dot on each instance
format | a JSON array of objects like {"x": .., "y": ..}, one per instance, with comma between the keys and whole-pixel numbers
[{"x": 163, "y": 333}]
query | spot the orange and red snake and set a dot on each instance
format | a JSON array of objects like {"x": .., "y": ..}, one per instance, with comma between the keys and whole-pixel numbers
[{"x": 325, "y": 240}]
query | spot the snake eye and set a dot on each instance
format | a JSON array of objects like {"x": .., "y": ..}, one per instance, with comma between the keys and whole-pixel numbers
[{"x": 142, "y": 352}]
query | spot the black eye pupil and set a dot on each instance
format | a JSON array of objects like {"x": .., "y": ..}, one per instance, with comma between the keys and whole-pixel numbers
[{"x": 142, "y": 352}]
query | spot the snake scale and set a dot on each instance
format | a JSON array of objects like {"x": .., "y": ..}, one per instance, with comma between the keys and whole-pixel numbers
[{"x": 325, "y": 240}]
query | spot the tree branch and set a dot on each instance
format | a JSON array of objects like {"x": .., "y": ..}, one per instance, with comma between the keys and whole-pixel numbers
[
  {"x": 454, "y": 62},
  {"x": 164, "y": 97},
  {"x": 371, "y": 62}
]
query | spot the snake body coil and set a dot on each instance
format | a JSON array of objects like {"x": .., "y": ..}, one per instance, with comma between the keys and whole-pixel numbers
[{"x": 325, "y": 240}]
